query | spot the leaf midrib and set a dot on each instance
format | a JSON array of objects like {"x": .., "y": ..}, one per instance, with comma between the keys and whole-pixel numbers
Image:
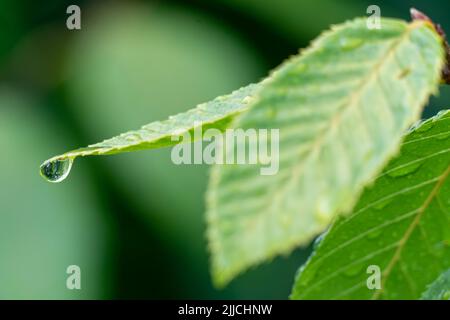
[
  {"x": 334, "y": 121},
  {"x": 397, "y": 254}
]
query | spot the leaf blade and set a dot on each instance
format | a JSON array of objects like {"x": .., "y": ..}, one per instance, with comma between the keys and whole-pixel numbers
[
  {"x": 400, "y": 224},
  {"x": 216, "y": 113},
  {"x": 304, "y": 102},
  {"x": 439, "y": 289}
]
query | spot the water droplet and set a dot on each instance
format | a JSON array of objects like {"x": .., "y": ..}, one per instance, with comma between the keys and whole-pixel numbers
[
  {"x": 382, "y": 204},
  {"x": 375, "y": 234},
  {"x": 404, "y": 170},
  {"x": 350, "y": 43},
  {"x": 353, "y": 270},
  {"x": 56, "y": 170}
]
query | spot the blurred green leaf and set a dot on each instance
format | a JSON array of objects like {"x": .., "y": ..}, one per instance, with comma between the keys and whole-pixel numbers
[
  {"x": 400, "y": 224},
  {"x": 439, "y": 289},
  {"x": 342, "y": 108},
  {"x": 44, "y": 228}
]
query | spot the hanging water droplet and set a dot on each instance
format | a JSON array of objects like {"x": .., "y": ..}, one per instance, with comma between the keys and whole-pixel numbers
[{"x": 56, "y": 170}]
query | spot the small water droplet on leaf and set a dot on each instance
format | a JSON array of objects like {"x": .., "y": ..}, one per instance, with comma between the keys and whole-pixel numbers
[
  {"x": 56, "y": 170},
  {"x": 404, "y": 170},
  {"x": 350, "y": 43},
  {"x": 379, "y": 205},
  {"x": 375, "y": 234},
  {"x": 354, "y": 270}
]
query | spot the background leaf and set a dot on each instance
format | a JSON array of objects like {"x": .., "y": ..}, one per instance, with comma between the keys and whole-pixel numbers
[
  {"x": 342, "y": 108},
  {"x": 400, "y": 224},
  {"x": 439, "y": 289}
]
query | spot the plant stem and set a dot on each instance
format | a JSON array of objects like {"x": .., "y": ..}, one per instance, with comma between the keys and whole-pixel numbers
[{"x": 417, "y": 15}]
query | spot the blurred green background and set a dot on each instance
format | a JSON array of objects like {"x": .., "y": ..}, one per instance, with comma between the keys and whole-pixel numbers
[{"x": 134, "y": 223}]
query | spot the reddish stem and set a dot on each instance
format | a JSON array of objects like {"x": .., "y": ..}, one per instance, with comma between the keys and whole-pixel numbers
[{"x": 417, "y": 15}]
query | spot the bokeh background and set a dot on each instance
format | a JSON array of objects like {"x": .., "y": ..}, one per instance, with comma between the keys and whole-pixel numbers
[{"x": 134, "y": 223}]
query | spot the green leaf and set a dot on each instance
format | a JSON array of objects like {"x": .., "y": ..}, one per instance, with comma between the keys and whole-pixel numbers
[
  {"x": 439, "y": 289},
  {"x": 216, "y": 113},
  {"x": 400, "y": 224},
  {"x": 341, "y": 108}
]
